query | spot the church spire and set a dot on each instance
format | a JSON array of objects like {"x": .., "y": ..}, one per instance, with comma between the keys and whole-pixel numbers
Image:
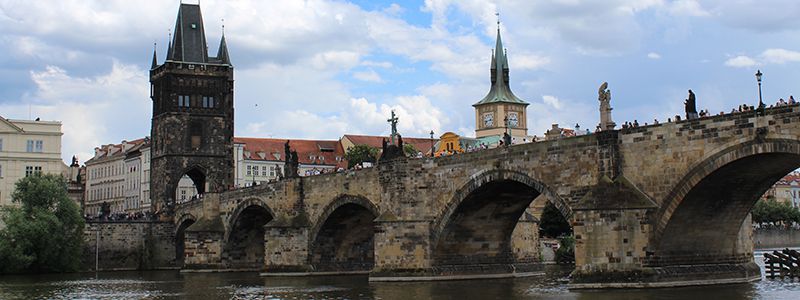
[{"x": 500, "y": 91}]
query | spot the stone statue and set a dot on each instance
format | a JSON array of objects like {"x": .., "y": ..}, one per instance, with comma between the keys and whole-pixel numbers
[
  {"x": 292, "y": 161},
  {"x": 690, "y": 105},
  {"x": 604, "y": 96},
  {"x": 393, "y": 121}
]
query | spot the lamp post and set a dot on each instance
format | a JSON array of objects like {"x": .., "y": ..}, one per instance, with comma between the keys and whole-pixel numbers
[
  {"x": 760, "y": 100},
  {"x": 432, "y": 143}
]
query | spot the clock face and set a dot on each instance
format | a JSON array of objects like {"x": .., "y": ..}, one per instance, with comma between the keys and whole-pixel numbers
[
  {"x": 513, "y": 121},
  {"x": 488, "y": 120}
]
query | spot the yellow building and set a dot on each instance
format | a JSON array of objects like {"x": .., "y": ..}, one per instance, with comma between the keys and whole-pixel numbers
[{"x": 26, "y": 148}]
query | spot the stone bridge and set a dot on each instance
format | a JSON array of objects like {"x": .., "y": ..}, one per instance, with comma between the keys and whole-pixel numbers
[{"x": 658, "y": 205}]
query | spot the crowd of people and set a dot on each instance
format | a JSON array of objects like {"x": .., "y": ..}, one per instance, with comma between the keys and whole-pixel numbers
[{"x": 703, "y": 113}]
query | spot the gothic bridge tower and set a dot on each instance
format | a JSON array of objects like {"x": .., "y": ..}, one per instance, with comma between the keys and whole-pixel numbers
[{"x": 192, "y": 125}]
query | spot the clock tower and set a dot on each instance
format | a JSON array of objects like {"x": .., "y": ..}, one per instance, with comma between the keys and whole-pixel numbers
[{"x": 500, "y": 110}]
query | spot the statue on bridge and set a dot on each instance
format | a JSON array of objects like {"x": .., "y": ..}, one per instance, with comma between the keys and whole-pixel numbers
[
  {"x": 690, "y": 106},
  {"x": 292, "y": 162},
  {"x": 393, "y": 120},
  {"x": 604, "y": 96}
]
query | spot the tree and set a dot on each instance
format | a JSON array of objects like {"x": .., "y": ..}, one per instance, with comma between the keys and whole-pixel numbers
[
  {"x": 44, "y": 232},
  {"x": 360, "y": 153},
  {"x": 770, "y": 211},
  {"x": 552, "y": 223},
  {"x": 409, "y": 150},
  {"x": 566, "y": 251}
]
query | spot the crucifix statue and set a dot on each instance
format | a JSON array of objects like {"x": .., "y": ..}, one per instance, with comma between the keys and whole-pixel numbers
[{"x": 393, "y": 121}]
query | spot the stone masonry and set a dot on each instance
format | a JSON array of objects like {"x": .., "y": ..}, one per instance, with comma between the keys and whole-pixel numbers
[{"x": 657, "y": 205}]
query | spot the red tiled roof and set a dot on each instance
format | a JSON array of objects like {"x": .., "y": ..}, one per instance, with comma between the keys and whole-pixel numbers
[
  {"x": 318, "y": 152},
  {"x": 421, "y": 144},
  {"x": 136, "y": 144}
]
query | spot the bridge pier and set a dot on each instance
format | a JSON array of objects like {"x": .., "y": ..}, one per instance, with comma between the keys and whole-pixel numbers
[
  {"x": 614, "y": 250},
  {"x": 203, "y": 245},
  {"x": 286, "y": 250}
]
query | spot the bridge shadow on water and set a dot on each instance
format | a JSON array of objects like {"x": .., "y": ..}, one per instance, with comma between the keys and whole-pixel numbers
[{"x": 248, "y": 285}]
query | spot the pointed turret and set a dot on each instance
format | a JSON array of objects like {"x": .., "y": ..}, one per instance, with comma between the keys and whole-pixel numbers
[
  {"x": 155, "y": 59},
  {"x": 189, "y": 41},
  {"x": 500, "y": 91},
  {"x": 222, "y": 53},
  {"x": 169, "y": 51}
]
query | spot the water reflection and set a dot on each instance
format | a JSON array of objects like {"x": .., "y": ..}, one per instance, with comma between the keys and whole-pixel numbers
[{"x": 173, "y": 285}]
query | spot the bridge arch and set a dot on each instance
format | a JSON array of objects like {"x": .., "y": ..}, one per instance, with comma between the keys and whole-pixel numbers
[
  {"x": 198, "y": 175},
  {"x": 476, "y": 225},
  {"x": 183, "y": 222},
  {"x": 244, "y": 237},
  {"x": 700, "y": 219},
  {"x": 343, "y": 237}
]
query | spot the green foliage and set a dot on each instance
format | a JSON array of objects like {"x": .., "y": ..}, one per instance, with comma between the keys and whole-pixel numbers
[
  {"x": 409, "y": 150},
  {"x": 566, "y": 252},
  {"x": 552, "y": 224},
  {"x": 773, "y": 212},
  {"x": 44, "y": 233},
  {"x": 360, "y": 153}
]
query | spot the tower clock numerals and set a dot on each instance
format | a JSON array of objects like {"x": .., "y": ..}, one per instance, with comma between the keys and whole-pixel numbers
[{"x": 488, "y": 120}]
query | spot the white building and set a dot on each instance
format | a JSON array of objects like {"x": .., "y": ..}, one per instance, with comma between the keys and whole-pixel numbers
[
  {"x": 261, "y": 160},
  {"x": 28, "y": 147},
  {"x": 106, "y": 178}
]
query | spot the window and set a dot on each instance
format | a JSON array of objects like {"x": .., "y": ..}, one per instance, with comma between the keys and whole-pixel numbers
[
  {"x": 249, "y": 168},
  {"x": 272, "y": 171},
  {"x": 39, "y": 146},
  {"x": 29, "y": 147},
  {"x": 183, "y": 194},
  {"x": 1, "y": 144},
  {"x": 208, "y": 102},
  {"x": 184, "y": 101},
  {"x": 264, "y": 171},
  {"x": 1, "y": 171},
  {"x": 28, "y": 171},
  {"x": 37, "y": 170}
]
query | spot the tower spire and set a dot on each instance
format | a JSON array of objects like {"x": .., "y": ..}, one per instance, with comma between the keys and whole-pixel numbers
[{"x": 155, "y": 60}]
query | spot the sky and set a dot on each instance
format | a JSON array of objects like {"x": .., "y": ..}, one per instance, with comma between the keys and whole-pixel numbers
[{"x": 321, "y": 69}]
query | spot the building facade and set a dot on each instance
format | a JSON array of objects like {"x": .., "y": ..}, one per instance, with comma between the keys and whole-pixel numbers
[
  {"x": 261, "y": 160},
  {"x": 27, "y": 148},
  {"x": 108, "y": 176}
]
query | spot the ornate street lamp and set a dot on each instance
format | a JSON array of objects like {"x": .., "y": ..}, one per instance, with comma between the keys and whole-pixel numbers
[
  {"x": 760, "y": 100},
  {"x": 431, "y": 143}
]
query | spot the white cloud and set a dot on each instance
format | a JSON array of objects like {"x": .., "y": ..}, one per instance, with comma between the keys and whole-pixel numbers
[
  {"x": 417, "y": 116},
  {"x": 687, "y": 8},
  {"x": 552, "y": 101},
  {"x": 369, "y": 75},
  {"x": 529, "y": 62},
  {"x": 769, "y": 56},
  {"x": 394, "y": 9},
  {"x": 780, "y": 56},
  {"x": 93, "y": 110},
  {"x": 653, "y": 55},
  {"x": 379, "y": 64},
  {"x": 740, "y": 61}
]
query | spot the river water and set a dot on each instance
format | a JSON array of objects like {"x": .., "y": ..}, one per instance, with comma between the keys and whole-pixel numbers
[{"x": 212, "y": 286}]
